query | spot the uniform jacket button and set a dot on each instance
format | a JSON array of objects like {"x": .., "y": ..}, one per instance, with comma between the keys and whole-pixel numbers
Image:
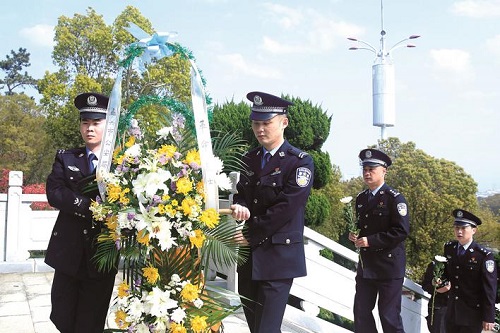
[
  {"x": 258, "y": 183},
  {"x": 274, "y": 184},
  {"x": 456, "y": 297},
  {"x": 55, "y": 233},
  {"x": 255, "y": 218},
  {"x": 389, "y": 255},
  {"x": 365, "y": 226},
  {"x": 366, "y": 215},
  {"x": 255, "y": 200},
  {"x": 85, "y": 231},
  {"x": 287, "y": 241}
]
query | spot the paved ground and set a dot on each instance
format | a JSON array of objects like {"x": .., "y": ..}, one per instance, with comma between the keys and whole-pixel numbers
[{"x": 25, "y": 305}]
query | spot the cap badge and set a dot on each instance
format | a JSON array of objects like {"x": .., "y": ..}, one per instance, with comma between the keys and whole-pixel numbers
[
  {"x": 257, "y": 100},
  {"x": 460, "y": 214},
  {"x": 368, "y": 154},
  {"x": 92, "y": 100}
]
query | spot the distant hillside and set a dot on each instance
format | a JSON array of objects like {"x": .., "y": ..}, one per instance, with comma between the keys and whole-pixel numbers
[{"x": 492, "y": 201}]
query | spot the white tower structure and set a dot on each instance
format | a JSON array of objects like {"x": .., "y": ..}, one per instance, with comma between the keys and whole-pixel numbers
[{"x": 383, "y": 79}]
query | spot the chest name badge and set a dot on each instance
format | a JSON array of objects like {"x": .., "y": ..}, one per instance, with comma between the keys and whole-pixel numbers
[{"x": 303, "y": 177}]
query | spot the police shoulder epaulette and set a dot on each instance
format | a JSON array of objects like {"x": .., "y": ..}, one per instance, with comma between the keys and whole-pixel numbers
[
  {"x": 485, "y": 251},
  {"x": 449, "y": 243},
  {"x": 297, "y": 152},
  {"x": 365, "y": 191},
  {"x": 61, "y": 151},
  {"x": 393, "y": 192}
]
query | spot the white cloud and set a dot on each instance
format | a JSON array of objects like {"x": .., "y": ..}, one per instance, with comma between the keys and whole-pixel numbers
[
  {"x": 493, "y": 44},
  {"x": 312, "y": 31},
  {"x": 451, "y": 60},
  {"x": 452, "y": 67},
  {"x": 477, "y": 8},
  {"x": 40, "y": 34},
  {"x": 285, "y": 16},
  {"x": 238, "y": 65}
]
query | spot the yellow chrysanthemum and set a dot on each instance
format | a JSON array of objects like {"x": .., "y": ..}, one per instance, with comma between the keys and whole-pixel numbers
[
  {"x": 112, "y": 222},
  {"x": 118, "y": 159},
  {"x": 143, "y": 236},
  {"x": 177, "y": 328},
  {"x": 151, "y": 274},
  {"x": 123, "y": 196},
  {"x": 193, "y": 156},
  {"x": 170, "y": 211},
  {"x": 210, "y": 217},
  {"x": 184, "y": 185},
  {"x": 123, "y": 290},
  {"x": 198, "y": 239},
  {"x": 167, "y": 150},
  {"x": 175, "y": 203},
  {"x": 199, "y": 324},
  {"x": 113, "y": 192},
  {"x": 165, "y": 197},
  {"x": 130, "y": 142},
  {"x": 120, "y": 319},
  {"x": 161, "y": 209},
  {"x": 189, "y": 293},
  {"x": 200, "y": 188},
  {"x": 187, "y": 205}
]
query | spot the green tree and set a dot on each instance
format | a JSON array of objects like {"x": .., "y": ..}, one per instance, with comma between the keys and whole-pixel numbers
[
  {"x": 23, "y": 143},
  {"x": 87, "y": 53},
  {"x": 13, "y": 66}
]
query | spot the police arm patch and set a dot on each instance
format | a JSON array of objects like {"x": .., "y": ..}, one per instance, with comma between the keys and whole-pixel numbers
[
  {"x": 402, "y": 209},
  {"x": 490, "y": 266},
  {"x": 303, "y": 176}
]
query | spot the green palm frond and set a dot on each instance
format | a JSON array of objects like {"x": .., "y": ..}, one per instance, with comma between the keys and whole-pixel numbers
[
  {"x": 229, "y": 148},
  {"x": 107, "y": 255},
  {"x": 220, "y": 248}
]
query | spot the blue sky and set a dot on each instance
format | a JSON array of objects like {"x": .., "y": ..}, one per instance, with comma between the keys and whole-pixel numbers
[{"x": 447, "y": 88}]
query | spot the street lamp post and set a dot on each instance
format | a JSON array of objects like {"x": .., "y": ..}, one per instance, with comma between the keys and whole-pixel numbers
[{"x": 383, "y": 80}]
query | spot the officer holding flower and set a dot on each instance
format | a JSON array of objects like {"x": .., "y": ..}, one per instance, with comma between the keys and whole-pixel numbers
[
  {"x": 384, "y": 224},
  {"x": 271, "y": 199},
  {"x": 472, "y": 273},
  {"x": 80, "y": 293}
]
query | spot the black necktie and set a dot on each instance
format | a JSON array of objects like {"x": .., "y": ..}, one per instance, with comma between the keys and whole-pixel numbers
[
  {"x": 461, "y": 251},
  {"x": 92, "y": 158},
  {"x": 370, "y": 196},
  {"x": 265, "y": 159}
]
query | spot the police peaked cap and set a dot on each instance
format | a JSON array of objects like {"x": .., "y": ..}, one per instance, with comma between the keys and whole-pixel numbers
[
  {"x": 463, "y": 218},
  {"x": 374, "y": 157},
  {"x": 92, "y": 105},
  {"x": 266, "y": 106}
]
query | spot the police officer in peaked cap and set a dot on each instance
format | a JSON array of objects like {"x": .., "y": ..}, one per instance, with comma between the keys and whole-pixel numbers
[
  {"x": 472, "y": 273},
  {"x": 271, "y": 200},
  {"x": 384, "y": 224},
  {"x": 80, "y": 292}
]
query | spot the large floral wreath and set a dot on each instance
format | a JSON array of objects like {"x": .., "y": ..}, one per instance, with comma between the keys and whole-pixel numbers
[{"x": 155, "y": 221}]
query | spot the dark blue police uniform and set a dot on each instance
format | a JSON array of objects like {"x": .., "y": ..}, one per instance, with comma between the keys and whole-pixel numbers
[
  {"x": 473, "y": 277},
  {"x": 276, "y": 196},
  {"x": 384, "y": 220},
  {"x": 80, "y": 293}
]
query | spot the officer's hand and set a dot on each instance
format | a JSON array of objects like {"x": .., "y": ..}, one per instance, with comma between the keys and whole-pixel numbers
[
  {"x": 362, "y": 242},
  {"x": 240, "y": 213},
  {"x": 445, "y": 288},
  {"x": 353, "y": 237},
  {"x": 488, "y": 326},
  {"x": 240, "y": 239}
]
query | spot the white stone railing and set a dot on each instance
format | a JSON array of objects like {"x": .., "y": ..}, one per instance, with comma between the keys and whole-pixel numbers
[{"x": 328, "y": 285}]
